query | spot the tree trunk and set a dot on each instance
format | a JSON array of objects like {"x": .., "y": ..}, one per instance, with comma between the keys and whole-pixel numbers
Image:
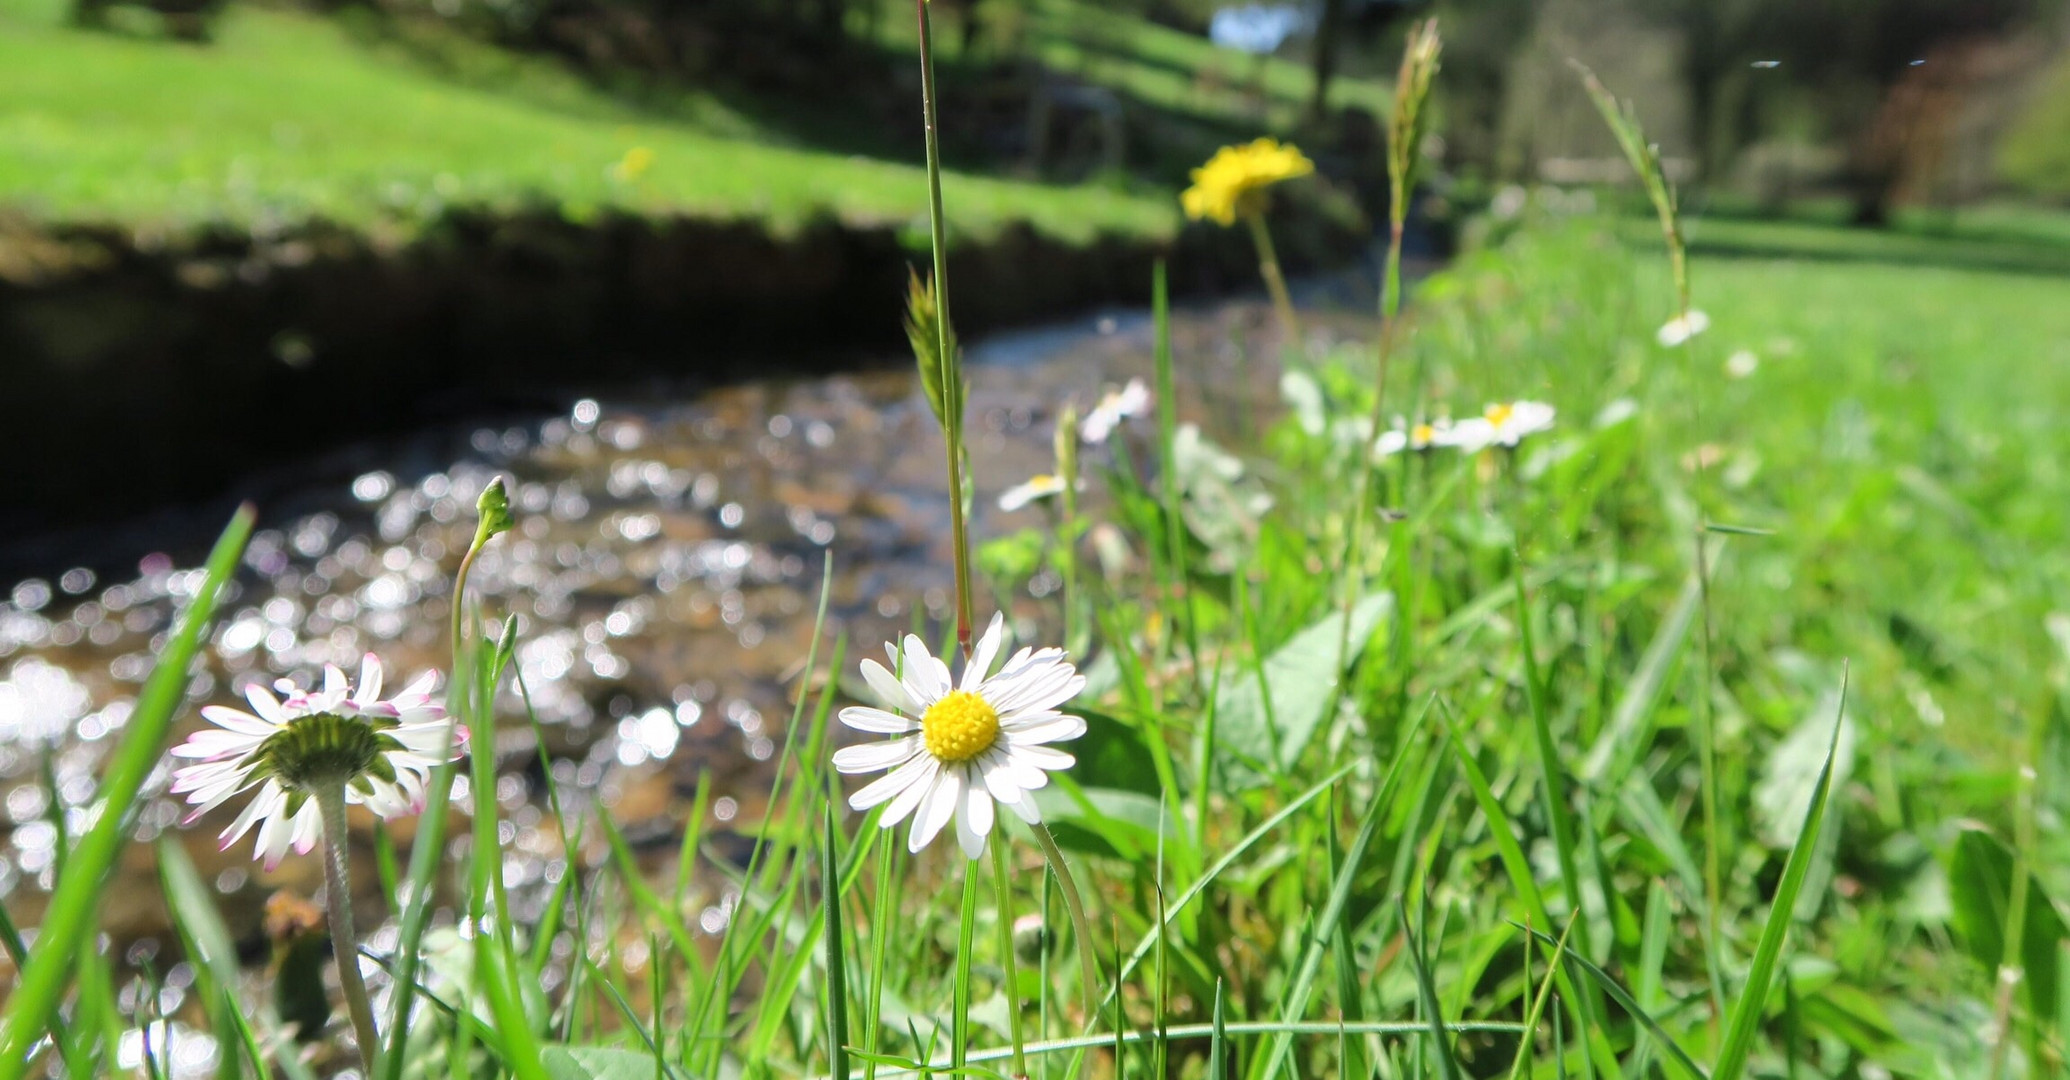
[{"x": 1327, "y": 32}]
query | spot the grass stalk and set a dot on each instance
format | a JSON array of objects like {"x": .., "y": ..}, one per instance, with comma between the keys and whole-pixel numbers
[
  {"x": 1002, "y": 894},
  {"x": 951, "y": 412}
]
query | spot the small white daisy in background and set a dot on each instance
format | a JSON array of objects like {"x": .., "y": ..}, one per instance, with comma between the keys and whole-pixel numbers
[
  {"x": 1126, "y": 403},
  {"x": 1742, "y": 363},
  {"x": 1502, "y": 424},
  {"x": 977, "y": 743},
  {"x": 1681, "y": 328},
  {"x": 1421, "y": 437},
  {"x": 381, "y": 752},
  {"x": 1043, "y": 486}
]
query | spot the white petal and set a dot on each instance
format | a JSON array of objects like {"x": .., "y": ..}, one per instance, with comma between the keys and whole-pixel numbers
[
  {"x": 1026, "y": 809},
  {"x": 891, "y": 783},
  {"x": 890, "y": 692},
  {"x": 877, "y": 721},
  {"x": 915, "y": 790},
  {"x": 937, "y": 807},
  {"x": 974, "y": 824},
  {"x": 216, "y": 745},
  {"x": 1044, "y": 689},
  {"x": 334, "y": 682},
  {"x": 1042, "y": 757},
  {"x": 987, "y": 650},
  {"x": 926, "y": 678},
  {"x": 308, "y": 827},
  {"x": 238, "y": 720},
  {"x": 369, "y": 681},
  {"x": 252, "y": 812},
  {"x": 265, "y": 704},
  {"x": 875, "y": 756},
  {"x": 418, "y": 692},
  {"x": 1047, "y": 731}
]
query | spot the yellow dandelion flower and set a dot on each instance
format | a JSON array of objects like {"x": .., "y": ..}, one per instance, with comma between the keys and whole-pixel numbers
[{"x": 1232, "y": 184}]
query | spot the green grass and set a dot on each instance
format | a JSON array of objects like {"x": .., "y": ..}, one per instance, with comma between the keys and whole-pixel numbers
[
  {"x": 287, "y": 116},
  {"x": 1497, "y": 846}
]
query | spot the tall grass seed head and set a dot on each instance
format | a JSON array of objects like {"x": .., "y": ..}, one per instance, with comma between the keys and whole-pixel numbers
[
  {"x": 1412, "y": 93},
  {"x": 924, "y": 332},
  {"x": 381, "y": 751},
  {"x": 977, "y": 743},
  {"x": 1233, "y": 183},
  {"x": 1064, "y": 443}
]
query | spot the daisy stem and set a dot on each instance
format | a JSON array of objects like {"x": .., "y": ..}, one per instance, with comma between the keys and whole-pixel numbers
[
  {"x": 1003, "y": 896},
  {"x": 337, "y": 890},
  {"x": 1088, "y": 978},
  {"x": 1275, "y": 282}
]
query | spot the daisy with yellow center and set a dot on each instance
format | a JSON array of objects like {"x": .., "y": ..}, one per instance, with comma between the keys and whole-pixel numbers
[
  {"x": 1041, "y": 486},
  {"x": 1504, "y": 423},
  {"x": 978, "y": 743},
  {"x": 1421, "y": 437},
  {"x": 1233, "y": 183}
]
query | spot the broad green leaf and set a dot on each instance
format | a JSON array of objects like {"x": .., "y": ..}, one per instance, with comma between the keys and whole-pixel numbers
[
  {"x": 1980, "y": 878},
  {"x": 1301, "y": 680},
  {"x": 597, "y": 1063}
]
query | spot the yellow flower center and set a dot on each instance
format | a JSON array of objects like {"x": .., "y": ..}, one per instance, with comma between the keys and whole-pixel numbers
[
  {"x": 960, "y": 726},
  {"x": 1423, "y": 435},
  {"x": 1499, "y": 415}
]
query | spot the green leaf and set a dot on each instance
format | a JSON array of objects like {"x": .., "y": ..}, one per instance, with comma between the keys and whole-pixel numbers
[
  {"x": 597, "y": 1063},
  {"x": 1111, "y": 754},
  {"x": 74, "y": 907},
  {"x": 1980, "y": 874},
  {"x": 1300, "y": 681},
  {"x": 1745, "y": 1022}
]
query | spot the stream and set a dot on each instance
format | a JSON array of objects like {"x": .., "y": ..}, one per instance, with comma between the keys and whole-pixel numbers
[{"x": 664, "y": 572}]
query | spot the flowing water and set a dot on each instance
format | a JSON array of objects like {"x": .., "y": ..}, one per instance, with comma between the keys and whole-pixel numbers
[{"x": 664, "y": 573}]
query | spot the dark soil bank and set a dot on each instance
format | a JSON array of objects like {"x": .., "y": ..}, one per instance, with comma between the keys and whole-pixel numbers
[{"x": 139, "y": 372}]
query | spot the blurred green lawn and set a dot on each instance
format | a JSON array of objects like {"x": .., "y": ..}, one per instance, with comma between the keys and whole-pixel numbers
[{"x": 285, "y": 116}]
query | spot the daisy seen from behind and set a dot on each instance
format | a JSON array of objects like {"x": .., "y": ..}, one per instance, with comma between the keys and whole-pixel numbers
[
  {"x": 1116, "y": 406},
  {"x": 380, "y": 752},
  {"x": 976, "y": 744},
  {"x": 1678, "y": 330}
]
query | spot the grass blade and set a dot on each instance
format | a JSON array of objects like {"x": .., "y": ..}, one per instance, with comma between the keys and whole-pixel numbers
[
  {"x": 836, "y": 946},
  {"x": 74, "y": 906},
  {"x": 1426, "y": 992},
  {"x": 1745, "y": 1020},
  {"x": 1629, "y": 1004}
]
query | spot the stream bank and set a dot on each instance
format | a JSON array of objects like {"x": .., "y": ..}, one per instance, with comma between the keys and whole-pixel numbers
[{"x": 146, "y": 370}]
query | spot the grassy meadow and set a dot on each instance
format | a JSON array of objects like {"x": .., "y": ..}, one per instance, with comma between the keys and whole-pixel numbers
[{"x": 1712, "y": 732}]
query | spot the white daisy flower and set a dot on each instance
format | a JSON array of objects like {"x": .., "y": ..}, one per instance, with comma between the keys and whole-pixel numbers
[
  {"x": 1128, "y": 402},
  {"x": 1682, "y": 327},
  {"x": 982, "y": 742},
  {"x": 1421, "y": 437},
  {"x": 1742, "y": 363},
  {"x": 381, "y": 751},
  {"x": 1035, "y": 487},
  {"x": 1502, "y": 424}
]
